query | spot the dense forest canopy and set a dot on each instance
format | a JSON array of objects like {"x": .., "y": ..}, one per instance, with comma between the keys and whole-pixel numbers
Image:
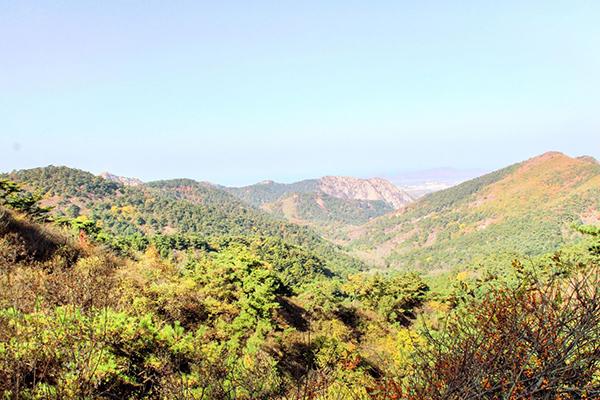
[
  {"x": 179, "y": 289},
  {"x": 167, "y": 207},
  {"x": 523, "y": 210}
]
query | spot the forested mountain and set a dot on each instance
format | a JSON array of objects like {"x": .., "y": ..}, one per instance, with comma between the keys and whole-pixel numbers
[
  {"x": 341, "y": 187},
  {"x": 88, "y": 311},
  {"x": 523, "y": 210},
  {"x": 168, "y": 207},
  {"x": 327, "y": 203},
  {"x": 63, "y": 183},
  {"x": 270, "y": 191},
  {"x": 326, "y": 210}
]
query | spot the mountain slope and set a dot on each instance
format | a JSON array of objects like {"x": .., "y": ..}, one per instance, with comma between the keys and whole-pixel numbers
[
  {"x": 341, "y": 187},
  {"x": 269, "y": 191},
  {"x": 328, "y": 203},
  {"x": 525, "y": 209},
  {"x": 167, "y": 207},
  {"x": 364, "y": 189},
  {"x": 324, "y": 209}
]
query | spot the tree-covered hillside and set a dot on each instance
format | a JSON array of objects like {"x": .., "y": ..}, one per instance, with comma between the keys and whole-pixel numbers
[
  {"x": 522, "y": 210},
  {"x": 168, "y": 207},
  {"x": 326, "y": 211},
  {"x": 327, "y": 204},
  {"x": 65, "y": 182},
  {"x": 228, "y": 318},
  {"x": 244, "y": 318},
  {"x": 269, "y": 191}
]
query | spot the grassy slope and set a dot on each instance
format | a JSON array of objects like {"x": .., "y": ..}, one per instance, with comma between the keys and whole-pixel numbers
[{"x": 525, "y": 209}]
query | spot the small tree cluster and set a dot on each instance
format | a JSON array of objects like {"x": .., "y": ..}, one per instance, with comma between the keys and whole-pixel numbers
[{"x": 13, "y": 196}]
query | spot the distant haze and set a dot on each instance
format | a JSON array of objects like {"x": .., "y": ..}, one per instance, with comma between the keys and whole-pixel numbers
[
  {"x": 446, "y": 175},
  {"x": 237, "y": 92}
]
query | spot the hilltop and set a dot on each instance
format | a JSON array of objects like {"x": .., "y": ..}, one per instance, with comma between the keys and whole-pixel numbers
[
  {"x": 121, "y": 179},
  {"x": 524, "y": 209},
  {"x": 341, "y": 187}
]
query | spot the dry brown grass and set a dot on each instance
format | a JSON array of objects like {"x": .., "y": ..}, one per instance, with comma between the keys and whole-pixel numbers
[{"x": 40, "y": 265}]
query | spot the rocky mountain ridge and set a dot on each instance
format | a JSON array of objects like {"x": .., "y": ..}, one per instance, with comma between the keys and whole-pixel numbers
[
  {"x": 121, "y": 179},
  {"x": 349, "y": 188},
  {"x": 341, "y": 187}
]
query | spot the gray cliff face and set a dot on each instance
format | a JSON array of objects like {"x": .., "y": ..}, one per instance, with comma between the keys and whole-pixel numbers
[
  {"x": 365, "y": 189},
  {"x": 121, "y": 179}
]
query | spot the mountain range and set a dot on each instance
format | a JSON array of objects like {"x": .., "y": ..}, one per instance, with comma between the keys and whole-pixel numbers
[
  {"x": 178, "y": 206},
  {"x": 341, "y": 187},
  {"x": 326, "y": 203},
  {"x": 523, "y": 209},
  {"x": 166, "y": 286},
  {"x": 330, "y": 201}
]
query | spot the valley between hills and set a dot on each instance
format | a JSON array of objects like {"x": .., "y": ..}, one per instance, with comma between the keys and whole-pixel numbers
[
  {"x": 336, "y": 287},
  {"x": 522, "y": 210}
]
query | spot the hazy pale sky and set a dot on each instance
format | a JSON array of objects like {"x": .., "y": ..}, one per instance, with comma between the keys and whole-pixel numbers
[{"x": 240, "y": 91}]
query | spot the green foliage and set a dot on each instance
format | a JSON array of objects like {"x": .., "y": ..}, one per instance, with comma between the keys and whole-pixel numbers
[
  {"x": 66, "y": 182},
  {"x": 524, "y": 210},
  {"x": 268, "y": 192},
  {"x": 180, "y": 206},
  {"x": 13, "y": 196},
  {"x": 202, "y": 297},
  {"x": 594, "y": 231},
  {"x": 395, "y": 296},
  {"x": 294, "y": 265},
  {"x": 589, "y": 230},
  {"x": 111, "y": 354},
  {"x": 215, "y": 318},
  {"x": 324, "y": 209}
]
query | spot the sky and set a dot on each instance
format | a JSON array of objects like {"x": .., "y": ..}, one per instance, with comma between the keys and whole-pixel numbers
[{"x": 235, "y": 92}]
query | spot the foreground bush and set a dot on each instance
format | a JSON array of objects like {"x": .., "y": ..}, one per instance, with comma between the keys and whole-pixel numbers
[{"x": 539, "y": 340}]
